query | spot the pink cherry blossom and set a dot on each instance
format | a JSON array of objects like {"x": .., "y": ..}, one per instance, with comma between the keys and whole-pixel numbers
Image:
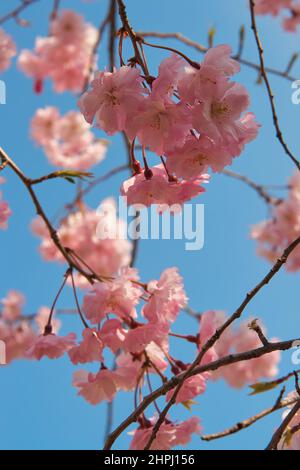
[
  {"x": 160, "y": 125},
  {"x": 273, "y": 7},
  {"x": 12, "y": 305},
  {"x": 169, "y": 435},
  {"x": 167, "y": 297},
  {"x": 111, "y": 98},
  {"x": 44, "y": 125},
  {"x": 67, "y": 140},
  {"x": 79, "y": 232},
  {"x": 7, "y": 50},
  {"x": 139, "y": 338},
  {"x": 191, "y": 388},
  {"x": 112, "y": 334},
  {"x": 119, "y": 296},
  {"x": 51, "y": 346},
  {"x": 64, "y": 56},
  {"x": 17, "y": 337},
  {"x": 95, "y": 388},
  {"x": 159, "y": 190},
  {"x": 275, "y": 234},
  {"x": 89, "y": 350}
]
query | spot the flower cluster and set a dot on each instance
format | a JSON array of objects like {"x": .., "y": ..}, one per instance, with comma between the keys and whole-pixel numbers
[
  {"x": 134, "y": 322},
  {"x": 80, "y": 231},
  {"x": 7, "y": 50},
  {"x": 67, "y": 140},
  {"x": 5, "y": 211},
  {"x": 282, "y": 229},
  {"x": 18, "y": 331},
  {"x": 64, "y": 56},
  {"x": 275, "y": 7},
  {"x": 192, "y": 115}
]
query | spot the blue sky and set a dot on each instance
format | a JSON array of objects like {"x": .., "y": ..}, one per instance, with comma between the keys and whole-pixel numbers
[{"x": 39, "y": 407}]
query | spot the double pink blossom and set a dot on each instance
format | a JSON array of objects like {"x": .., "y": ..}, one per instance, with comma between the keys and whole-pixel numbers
[
  {"x": 64, "y": 56},
  {"x": 170, "y": 434},
  {"x": 67, "y": 140}
]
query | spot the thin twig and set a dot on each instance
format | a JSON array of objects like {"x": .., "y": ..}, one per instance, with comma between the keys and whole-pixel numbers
[
  {"x": 273, "y": 444},
  {"x": 14, "y": 14},
  {"x": 202, "y": 49},
  {"x": 250, "y": 421},
  {"x": 265, "y": 78}
]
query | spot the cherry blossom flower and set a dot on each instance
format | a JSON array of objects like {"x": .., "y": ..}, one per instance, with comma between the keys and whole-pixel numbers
[
  {"x": 51, "y": 346},
  {"x": 277, "y": 233},
  {"x": 89, "y": 350},
  {"x": 191, "y": 388},
  {"x": 273, "y": 7},
  {"x": 170, "y": 434},
  {"x": 111, "y": 98},
  {"x": 67, "y": 140},
  {"x": 161, "y": 126},
  {"x": 159, "y": 190},
  {"x": 64, "y": 56},
  {"x": 95, "y": 388},
  {"x": 112, "y": 334},
  {"x": 139, "y": 338},
  {"x": 167, "y": 297},
  {"x": 12, "y": 305},
  {"x": 7, "y": 50},
  {"x": 119, "y": 296},
  {"x": 79, "y": 232}
]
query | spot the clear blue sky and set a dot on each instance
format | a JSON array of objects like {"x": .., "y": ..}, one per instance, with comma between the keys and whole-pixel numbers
[{"x": 39, "y": 408}]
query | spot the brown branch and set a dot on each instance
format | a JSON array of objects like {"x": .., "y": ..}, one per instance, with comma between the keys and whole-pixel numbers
[
  {"x": 15, "y": 13},
  {"x": 52, "y": 232},
  {"x": 101, "y": 30},
  {"x": 172, "y": 383},
  {"x": 250, "y": 421},
  {"x": 202, "y": 49},
  {"x": 265, "y": 78},
  {"x": 210, "y": 343},
  {"x": 282, "y": 428}
]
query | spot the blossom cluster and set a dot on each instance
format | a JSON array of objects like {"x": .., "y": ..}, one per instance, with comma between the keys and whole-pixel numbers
[
  {"x": 19, "y": 331},
  {"x": 275, "y": 7},
  {"x": 67, "y": 140},
  {"x": 134, "y": 322},
  {"x": 5, "y": 211},
  {"x": 276, "y": 234},
  {"x": 193, "y": 115},
  {"x": 64, "y": 56},
  {"x": 7, "y": 50},
  {"x": 78, "y": 231}
]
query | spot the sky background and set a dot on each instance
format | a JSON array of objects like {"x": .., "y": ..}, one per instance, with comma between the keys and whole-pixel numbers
[{"x": 39, "y": 408}]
